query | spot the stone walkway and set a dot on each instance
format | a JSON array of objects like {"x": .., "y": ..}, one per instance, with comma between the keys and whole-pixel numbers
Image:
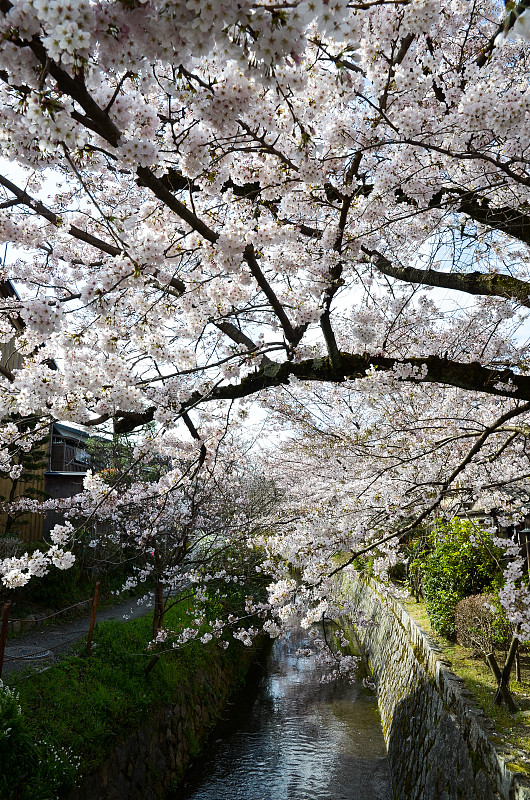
[{"x": 43, "y": 646}]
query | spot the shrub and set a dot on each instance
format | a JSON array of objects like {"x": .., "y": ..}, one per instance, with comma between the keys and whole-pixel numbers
[
  {"x": 461, "y": 561},
  {"x": 398, "y": 572},
  {"x": 481, "y": 624}
]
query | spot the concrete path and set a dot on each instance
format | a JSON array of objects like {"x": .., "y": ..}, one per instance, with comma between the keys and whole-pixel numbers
[{"x": 43, "y": 646}]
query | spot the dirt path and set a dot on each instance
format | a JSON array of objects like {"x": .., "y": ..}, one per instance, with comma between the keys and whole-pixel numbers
[{"x": 43, "y": 646}]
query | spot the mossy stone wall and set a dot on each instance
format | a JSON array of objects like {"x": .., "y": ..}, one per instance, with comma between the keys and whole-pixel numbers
[
  {"x": 154, "y": 758},
  {"x": 439, "y": 743}
]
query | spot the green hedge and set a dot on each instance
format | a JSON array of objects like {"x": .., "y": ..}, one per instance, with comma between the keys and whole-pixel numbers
[{"x": 461, "y": 560}]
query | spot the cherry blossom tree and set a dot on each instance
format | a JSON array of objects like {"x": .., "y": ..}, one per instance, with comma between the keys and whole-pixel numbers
[
  {"x": 184, "y": 527},
  {"x": 255, "y": 198},
  {"x": 178, "y": 527},
  {"x": 366, "y": 471}
]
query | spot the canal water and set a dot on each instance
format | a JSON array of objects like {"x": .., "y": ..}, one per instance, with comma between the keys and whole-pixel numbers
[{"x": 290, "y": 737}]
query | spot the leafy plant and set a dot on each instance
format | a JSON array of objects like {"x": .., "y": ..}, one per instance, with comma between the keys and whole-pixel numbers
[
  {"x": 481, "y": 623},
  {"x": 461, "y": 560}
]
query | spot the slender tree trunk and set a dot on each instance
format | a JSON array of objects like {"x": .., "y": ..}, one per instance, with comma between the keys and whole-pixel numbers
[
  {"x": 158, "y": 616},
  {"x": 10, "y": 520}
]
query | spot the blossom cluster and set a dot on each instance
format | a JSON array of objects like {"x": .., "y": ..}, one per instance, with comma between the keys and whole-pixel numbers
[{"x": 17, "y": 571}]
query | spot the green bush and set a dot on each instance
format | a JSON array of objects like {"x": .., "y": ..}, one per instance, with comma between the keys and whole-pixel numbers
[
  {"x": 461, "y": 560},
  {"x": 398, "y": 572},
  {"x": 481, "y": 624}
]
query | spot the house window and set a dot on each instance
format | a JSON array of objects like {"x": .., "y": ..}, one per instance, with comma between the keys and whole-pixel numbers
[{"x": 82, "y": 456}]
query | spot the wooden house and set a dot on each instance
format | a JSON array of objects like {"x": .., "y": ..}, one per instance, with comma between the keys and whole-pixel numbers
[
  {"x": 68, "y": 462},
  {"x": 63, "y": 466}
]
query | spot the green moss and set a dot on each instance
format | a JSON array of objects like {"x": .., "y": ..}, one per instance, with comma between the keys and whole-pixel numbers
[
  {"x": 517, "y": 767},
  {"x": 193, "y": 743}
]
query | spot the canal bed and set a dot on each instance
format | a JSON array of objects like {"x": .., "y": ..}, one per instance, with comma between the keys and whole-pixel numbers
[{"x": 290, "y": 737}]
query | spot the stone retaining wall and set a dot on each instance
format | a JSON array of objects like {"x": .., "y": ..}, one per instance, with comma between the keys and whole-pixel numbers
[
  {"x": 153, "y": 759},
  {"x": 439, "y": 743}
]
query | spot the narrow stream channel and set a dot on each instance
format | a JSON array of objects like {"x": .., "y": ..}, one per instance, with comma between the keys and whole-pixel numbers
[{"x": 289, "y": 737}]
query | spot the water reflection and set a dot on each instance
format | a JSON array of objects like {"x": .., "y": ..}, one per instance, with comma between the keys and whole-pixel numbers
[{"x": 294, "y": 739}]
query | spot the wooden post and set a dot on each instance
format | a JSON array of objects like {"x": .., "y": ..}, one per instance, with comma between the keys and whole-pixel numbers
[
  {"x": 505, "y": 677},
  {"x": 523, "y": 537},
  {"x": 503, "y": 693},
  {"x": 3, "y": 633},
  {"x": 93, "y": 618},
  {"x": 492, "y": 663},
  {"x": 152, "y": 662}
]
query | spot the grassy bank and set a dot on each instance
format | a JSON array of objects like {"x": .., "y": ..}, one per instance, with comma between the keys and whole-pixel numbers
[
  {"x": 511, "y": 731},
  {"x": 81, "y": 708}
]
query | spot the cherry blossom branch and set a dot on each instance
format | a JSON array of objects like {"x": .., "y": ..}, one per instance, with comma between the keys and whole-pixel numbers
[
  {"x": 101, "y": 123},
  {"x": 293, "y": 335},
  {"x": 402, "y": 50},
  {"x": 270, "y": 148},
  {"x": 228, "y": 328},
  {"x": 334, "y": 282},
  {"x": 432, "y": 369},
  {"x": 504, "y": 28},
  {"x": 513, "y": 221},
  {"x": 39, "y": 208},
  {"x": 444, "y": 487},
  {"x": 489, "y": 284}
]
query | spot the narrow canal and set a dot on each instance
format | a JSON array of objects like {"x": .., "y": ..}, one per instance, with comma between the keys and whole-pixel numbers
[{"x": 290, "y": 737}]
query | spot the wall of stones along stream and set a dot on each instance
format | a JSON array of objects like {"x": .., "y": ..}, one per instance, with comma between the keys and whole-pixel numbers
[
  {"x": 154, "y": 758},
  {"x": 438, "y": 742}
]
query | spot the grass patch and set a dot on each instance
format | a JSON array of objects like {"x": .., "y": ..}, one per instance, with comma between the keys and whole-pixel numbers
[
  {"x": 88, "y": 704},
  {"x": 511, "y": 731}
]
